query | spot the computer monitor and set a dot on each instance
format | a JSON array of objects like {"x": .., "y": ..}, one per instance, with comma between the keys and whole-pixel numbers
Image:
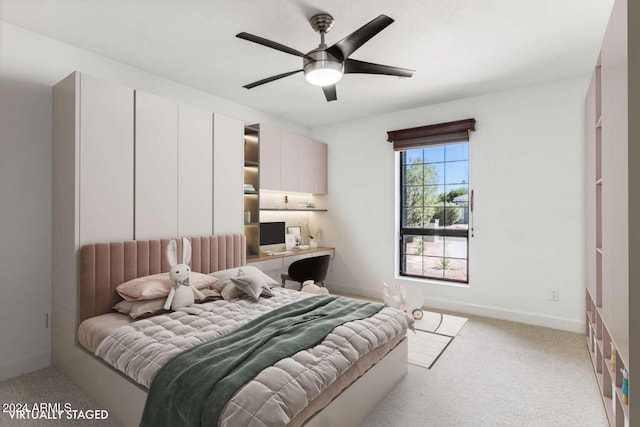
[{"x": 271, "y": 233}]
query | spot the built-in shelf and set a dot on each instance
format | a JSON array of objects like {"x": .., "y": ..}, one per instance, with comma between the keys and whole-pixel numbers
[
  {"x": 252, "y": 196},
  {"x": 293, "y": 210},
  {"x": 625, "y": 406},
  {"x": 599, "y": 181}
]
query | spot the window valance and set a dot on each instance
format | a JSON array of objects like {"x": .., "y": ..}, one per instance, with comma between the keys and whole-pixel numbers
[{"x": 424, "y": 136}]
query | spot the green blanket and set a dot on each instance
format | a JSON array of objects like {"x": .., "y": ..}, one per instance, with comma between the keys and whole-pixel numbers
[{"x": 193, "y": 388}]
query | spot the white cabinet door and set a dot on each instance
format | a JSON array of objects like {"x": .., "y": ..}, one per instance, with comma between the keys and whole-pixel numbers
[
  {"x": 156, "y": 167},
  {"x": 269, "y": 158},
  {"x": 615, "y": 179},
  {"x": 195, "y": 171},
  {"x": 306, "y": 162},
  {"x": 320, "y": 168},
  {"x": 289, "y": 143},
  {"x": 106, "y": 161},
  {"x": 228, "y": 179}
]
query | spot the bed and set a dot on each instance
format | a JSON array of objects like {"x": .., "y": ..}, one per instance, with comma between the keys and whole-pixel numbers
[{"x": 345, "y": 376}]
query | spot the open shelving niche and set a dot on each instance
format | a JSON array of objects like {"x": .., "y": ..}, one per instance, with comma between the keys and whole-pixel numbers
[
  {"x": 252, "y": 198},
  {"x": 268, "y": 202},
  {"x": 599, "y": 340}
]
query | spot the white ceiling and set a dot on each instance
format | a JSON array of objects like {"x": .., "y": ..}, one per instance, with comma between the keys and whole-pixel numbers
[{"x": 459, "y": 48}]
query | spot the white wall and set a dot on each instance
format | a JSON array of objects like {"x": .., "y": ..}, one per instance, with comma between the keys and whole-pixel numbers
[
  {"x": 526, "y": 166},
  {"x": 30, "y": 64}
]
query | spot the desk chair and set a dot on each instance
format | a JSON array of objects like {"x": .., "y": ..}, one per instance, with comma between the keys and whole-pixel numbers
[{"x": 314, "y": 268}]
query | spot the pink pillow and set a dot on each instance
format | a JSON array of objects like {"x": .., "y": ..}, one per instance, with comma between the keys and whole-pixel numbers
[{"x": 158, "y": 286}]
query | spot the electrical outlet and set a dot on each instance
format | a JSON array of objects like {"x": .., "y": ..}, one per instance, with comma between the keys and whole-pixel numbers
[{"x": 554, "y": 295}]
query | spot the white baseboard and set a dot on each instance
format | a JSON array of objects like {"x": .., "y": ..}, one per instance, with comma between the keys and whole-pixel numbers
[
  {"x": 529, "y": 318},
  {"x": 24, "y": 366}
]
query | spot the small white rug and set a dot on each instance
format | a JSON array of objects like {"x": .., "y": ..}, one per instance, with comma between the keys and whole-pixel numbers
[
  {"x": 425, "y": 347},
  {"x": 433, "y": 334}
]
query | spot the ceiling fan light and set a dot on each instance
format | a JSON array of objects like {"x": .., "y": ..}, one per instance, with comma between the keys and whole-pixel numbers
[{"x": 323, "y": 73}]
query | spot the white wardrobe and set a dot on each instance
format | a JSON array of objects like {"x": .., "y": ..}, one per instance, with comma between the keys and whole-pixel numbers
[{"x": 131, "y": 165}]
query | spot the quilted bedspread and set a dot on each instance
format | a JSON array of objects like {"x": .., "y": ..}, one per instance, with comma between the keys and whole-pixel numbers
[{"x": 277, "y": 393}]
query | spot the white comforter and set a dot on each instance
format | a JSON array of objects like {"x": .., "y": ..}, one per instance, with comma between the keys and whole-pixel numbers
[{"x": 279, "y": 392}]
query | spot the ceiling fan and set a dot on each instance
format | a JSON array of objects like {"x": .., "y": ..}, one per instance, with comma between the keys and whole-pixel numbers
[{"x": 324, "y": 66}]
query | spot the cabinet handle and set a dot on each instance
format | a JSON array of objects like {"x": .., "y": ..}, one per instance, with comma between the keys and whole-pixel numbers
[{"x": 471, "y": 211}]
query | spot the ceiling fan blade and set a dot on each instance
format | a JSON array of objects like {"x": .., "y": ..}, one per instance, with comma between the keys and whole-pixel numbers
[
  {"x": 353, "y": 66},
  {"x": 353, "y": 41},
  {"x": 330, "y": 93},
  {"x": 270, "y": 79},
  {"x": 269, "y": 43}
]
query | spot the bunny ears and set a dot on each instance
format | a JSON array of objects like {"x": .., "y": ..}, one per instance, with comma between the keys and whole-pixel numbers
[{"x": 172, "y": 252}]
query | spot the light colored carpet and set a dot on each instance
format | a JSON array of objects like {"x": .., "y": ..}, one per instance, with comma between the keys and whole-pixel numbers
[
  {"x": 47, "y": 386},
  {"x": 495, "y": 373}
]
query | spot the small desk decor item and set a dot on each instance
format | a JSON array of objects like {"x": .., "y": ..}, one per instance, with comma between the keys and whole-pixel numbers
[
  {"x": 296, "y": 230},
  {"x": 286, "y": 202},
  {"x": 289, "y": 241}
]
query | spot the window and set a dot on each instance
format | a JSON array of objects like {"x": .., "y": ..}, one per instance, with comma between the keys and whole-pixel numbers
[
  {"x": 434, "y": 227},
  {"x": 435, "y": 200}
]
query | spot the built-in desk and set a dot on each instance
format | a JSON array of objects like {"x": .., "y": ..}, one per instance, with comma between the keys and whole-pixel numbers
[{"x": 274, "y": 265}]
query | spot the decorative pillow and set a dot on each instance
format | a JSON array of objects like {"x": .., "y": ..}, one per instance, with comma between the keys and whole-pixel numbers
[
  {"x": 226, "y": 275},
  {"x": 142, "y": 308},
  {"x": 210, "y": 295},
  {"x": 250, "y": 285},
  {"x": 230, "y": 291},
  {"x": 159, "y": 285}
]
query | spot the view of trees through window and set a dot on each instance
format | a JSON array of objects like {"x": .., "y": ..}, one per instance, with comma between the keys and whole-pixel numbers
[{"x": 435, "y": 212}]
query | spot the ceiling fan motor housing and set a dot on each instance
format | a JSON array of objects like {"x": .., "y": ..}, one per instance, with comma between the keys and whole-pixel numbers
[
  {"x": 320, "y": 65},
  {"x": 322, "y": 22}
]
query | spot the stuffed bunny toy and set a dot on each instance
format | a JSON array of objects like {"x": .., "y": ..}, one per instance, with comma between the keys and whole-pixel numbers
[{"x": 182, "y": 293}]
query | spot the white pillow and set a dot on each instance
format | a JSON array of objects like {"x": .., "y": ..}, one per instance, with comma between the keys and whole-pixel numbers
[
  {"x": 159, "y": 285},
  {"x": 141, "y": 308},
  {"x": 225, "y": 276}
]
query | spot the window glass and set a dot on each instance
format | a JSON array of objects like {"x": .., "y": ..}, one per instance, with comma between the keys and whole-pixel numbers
[{"x": 435, "y": 212}]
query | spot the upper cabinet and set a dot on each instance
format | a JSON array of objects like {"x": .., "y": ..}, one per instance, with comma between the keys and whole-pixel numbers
[
  {"x": 156, "y": 167},
  {"x": 291, "y": 162},
  {"x": 289, "y": 148},
  {"x": 195, "y": 171},
  {"x": 306, "y": 165},
  {"x": 320, "y": 168},
  {"x": 105, "y": 149},
  {"x": 269, "y": 157},
  {"x": 132, "y": 165}
]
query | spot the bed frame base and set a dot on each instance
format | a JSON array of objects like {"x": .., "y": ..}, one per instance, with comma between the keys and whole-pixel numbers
[
  {"x": 125, "y": 401},
  {"x": 356, "y": 402}
]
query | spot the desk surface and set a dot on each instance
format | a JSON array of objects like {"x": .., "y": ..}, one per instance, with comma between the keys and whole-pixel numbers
[{"x": 263, "y": 256}]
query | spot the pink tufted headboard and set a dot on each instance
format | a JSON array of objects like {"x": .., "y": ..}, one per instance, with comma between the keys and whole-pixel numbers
[{"x": 103, "y": 266}]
